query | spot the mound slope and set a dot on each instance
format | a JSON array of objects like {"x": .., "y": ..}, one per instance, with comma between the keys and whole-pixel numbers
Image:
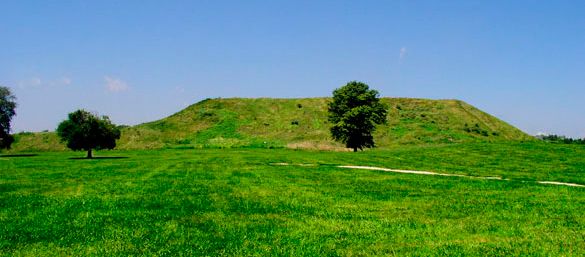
[{"x": 300, "y": 123}]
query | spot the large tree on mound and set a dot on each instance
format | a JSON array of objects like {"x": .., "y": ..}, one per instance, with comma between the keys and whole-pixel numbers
[
  {"x": 7, "y": 111},
  {"x": 354, "y": 112},
  {"x": 86, "y": 131}
]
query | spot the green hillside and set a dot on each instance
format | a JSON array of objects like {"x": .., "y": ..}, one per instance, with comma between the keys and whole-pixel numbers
[{"x": 299, "y": 123}]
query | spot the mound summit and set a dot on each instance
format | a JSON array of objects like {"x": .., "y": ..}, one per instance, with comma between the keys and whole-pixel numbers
[{"x": 298, "y": 123}]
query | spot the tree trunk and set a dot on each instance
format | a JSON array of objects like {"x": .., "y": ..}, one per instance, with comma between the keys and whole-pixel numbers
[
  {"x": 89, "y": 155},
  {"x": 355, "y": 149}
]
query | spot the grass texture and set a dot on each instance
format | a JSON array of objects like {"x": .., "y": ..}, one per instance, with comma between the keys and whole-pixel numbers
[{"x": 236, "y": 202}]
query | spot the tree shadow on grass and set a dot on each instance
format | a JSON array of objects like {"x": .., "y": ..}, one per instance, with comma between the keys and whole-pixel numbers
[
  {"x": 17, "y": 155},
  {"x": 99, "y": 158}
]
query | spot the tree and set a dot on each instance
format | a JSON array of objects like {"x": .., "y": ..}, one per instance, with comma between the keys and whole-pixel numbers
[
  {"x": 86, "y": 131},
  {"x": 7, "y": 106},
  {"x": 354, "y": 112}
]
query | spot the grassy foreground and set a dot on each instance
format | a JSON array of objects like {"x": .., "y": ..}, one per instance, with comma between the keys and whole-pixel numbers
[{"x": 234, "y": 202}]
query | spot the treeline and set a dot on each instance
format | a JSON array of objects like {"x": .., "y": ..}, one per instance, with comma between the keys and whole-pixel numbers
[{"x": 561, "y": 139}]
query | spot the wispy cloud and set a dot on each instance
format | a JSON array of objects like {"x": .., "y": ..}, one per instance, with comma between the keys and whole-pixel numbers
[
  {"x": 403, "y": 52},
  {"x": 38, "y": 82},
  {"x": 115, "y": 85},
  {"x": 179, "y": 89},
  {"x": 65, "y": 81},
  {"x": 30, "y": 82}
]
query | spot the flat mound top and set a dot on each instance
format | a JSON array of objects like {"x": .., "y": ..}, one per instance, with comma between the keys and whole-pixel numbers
[{"x": 300, "y": 123}]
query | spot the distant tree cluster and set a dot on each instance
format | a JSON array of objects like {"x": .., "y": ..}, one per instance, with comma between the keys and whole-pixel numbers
[
  {"x": 82, "y": 131},
  {"x": 86, "y": 131},
  {"x": 7, "y": 111},
  {"x": 561, "y": 139}
]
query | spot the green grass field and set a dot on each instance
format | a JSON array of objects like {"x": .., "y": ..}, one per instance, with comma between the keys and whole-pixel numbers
[{"x": 236, "y": 202}]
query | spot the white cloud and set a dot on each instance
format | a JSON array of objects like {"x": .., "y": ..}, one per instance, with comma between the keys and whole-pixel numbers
[
  {"x": 65, "y": 81},
  {"x": 180, "y": 89},
  {"x": 115, "y": 85},
  {"x": 402, "y": 52},
  {"x": 31, "y": 82},
  {"x": 38, "y": 82}
]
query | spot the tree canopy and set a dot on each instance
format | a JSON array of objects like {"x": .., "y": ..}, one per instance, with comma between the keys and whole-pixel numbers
[
  {"x": 7, "y": 111},
  {"x": 354, "y": 112},
  {"x": 86, "y": 131}
]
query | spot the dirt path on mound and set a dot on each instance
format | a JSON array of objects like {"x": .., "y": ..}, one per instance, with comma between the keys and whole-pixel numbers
[{"x": 455, "y": 175}]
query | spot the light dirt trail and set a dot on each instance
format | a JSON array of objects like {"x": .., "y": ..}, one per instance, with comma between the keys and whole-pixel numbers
[
  {"x": 560, "y": 183},
  {"x": 288, "y": 164},
  {"x": 454, "y": 175},
  {"x": 419, "y": 172}
]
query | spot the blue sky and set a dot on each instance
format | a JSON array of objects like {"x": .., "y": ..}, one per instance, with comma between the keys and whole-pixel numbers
[{"x": 138, "y": 61}]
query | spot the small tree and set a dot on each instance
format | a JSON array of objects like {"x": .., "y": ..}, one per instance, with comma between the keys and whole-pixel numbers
[
  {"x": 7, "y": 111},
  {"x": 86, "y": 131},
  {"x": 355, "y": 111}
]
